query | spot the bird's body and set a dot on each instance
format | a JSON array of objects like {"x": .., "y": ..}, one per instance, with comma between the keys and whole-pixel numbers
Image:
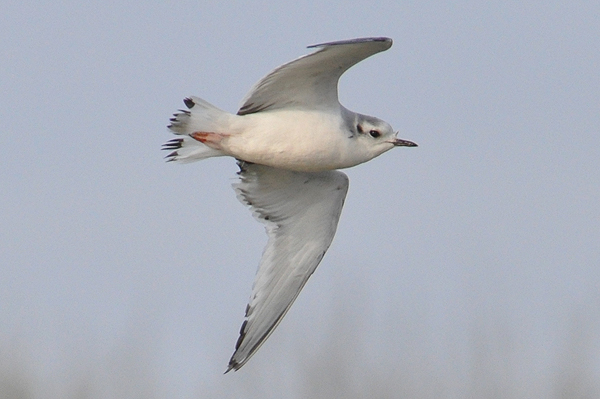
[
  {"x": 289, "y": 136},
  {"x": 315, "y": 141}
]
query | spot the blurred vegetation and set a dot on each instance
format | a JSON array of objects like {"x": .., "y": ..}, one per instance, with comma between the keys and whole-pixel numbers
[{"x": 337, "y": 368}]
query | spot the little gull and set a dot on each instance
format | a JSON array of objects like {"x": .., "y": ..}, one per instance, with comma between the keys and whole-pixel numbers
[{"x": 289, "y": 137}]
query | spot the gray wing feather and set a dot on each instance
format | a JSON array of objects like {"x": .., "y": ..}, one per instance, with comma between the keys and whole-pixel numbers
[
  {"x": 300, "y": 212},
  {"x": 310, "y": 82}
]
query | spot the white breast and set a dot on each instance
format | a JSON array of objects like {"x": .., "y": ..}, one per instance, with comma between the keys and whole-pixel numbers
[{"x": 300, "y": 140}]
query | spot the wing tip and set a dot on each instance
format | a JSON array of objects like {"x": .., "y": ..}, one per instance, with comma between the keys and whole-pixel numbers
[
  {"x": 352, "y": 41},
  {"x": 189, "y": 102},
  {"x": 234, "y": 364},
  {"x": 230, "y": 367}
]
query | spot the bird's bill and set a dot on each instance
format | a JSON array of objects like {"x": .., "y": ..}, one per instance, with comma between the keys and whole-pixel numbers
[{"x": 403, "y": 143}]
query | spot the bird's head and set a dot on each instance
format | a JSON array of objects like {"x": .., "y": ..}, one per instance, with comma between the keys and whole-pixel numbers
[{"x": 377, "y": 136}]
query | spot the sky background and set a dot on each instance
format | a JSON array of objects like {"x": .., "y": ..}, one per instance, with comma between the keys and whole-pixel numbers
[{"x": 466, "y": 267}]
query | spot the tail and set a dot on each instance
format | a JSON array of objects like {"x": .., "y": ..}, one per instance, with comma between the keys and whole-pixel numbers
[{"x": 200, "y": 116}]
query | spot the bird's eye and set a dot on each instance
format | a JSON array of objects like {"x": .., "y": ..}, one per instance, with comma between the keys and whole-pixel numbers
[{"x": 374, "y": 133}]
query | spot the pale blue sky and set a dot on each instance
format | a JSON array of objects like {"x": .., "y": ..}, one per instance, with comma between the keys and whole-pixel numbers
[{"x": 472, "y": 261}]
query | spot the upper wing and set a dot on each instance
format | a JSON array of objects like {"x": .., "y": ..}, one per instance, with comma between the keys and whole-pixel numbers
[
  {"x": 300, "y": 212},
  {"x": 310, "y": 82}
]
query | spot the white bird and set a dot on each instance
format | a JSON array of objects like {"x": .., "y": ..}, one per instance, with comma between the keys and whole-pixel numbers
[{"x": 289, "y": 136}]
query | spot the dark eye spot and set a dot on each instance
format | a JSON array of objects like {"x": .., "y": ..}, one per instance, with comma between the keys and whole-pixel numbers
[
  {"x": 374, "y": 133},
  {"x": 359, "y": 128}
]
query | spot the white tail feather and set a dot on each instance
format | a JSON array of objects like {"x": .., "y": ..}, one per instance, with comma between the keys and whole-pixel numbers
[{"x": 201, "y": 116}]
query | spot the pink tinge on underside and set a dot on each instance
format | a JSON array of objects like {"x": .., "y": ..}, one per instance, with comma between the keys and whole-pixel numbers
[{"x": 213, "y": 140}]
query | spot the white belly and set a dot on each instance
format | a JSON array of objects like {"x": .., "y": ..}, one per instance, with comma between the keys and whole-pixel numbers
[{"x": 295, "y": 140}]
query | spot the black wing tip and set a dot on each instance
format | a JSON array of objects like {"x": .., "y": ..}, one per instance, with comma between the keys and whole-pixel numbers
[
  {"x": 233, "y": 365},
  {"x": 172, "y": 144},
  {"x": 352, "y": 41},
  {"x": 171, "y": 157},
  {"x": 189, "y": 102}
]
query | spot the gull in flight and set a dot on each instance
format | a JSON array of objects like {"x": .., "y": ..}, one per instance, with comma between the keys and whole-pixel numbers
[{"x": 289, "y": 137}]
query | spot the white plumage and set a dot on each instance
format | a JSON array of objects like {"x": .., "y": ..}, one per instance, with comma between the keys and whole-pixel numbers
[{"x": 289, "y": 136}]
